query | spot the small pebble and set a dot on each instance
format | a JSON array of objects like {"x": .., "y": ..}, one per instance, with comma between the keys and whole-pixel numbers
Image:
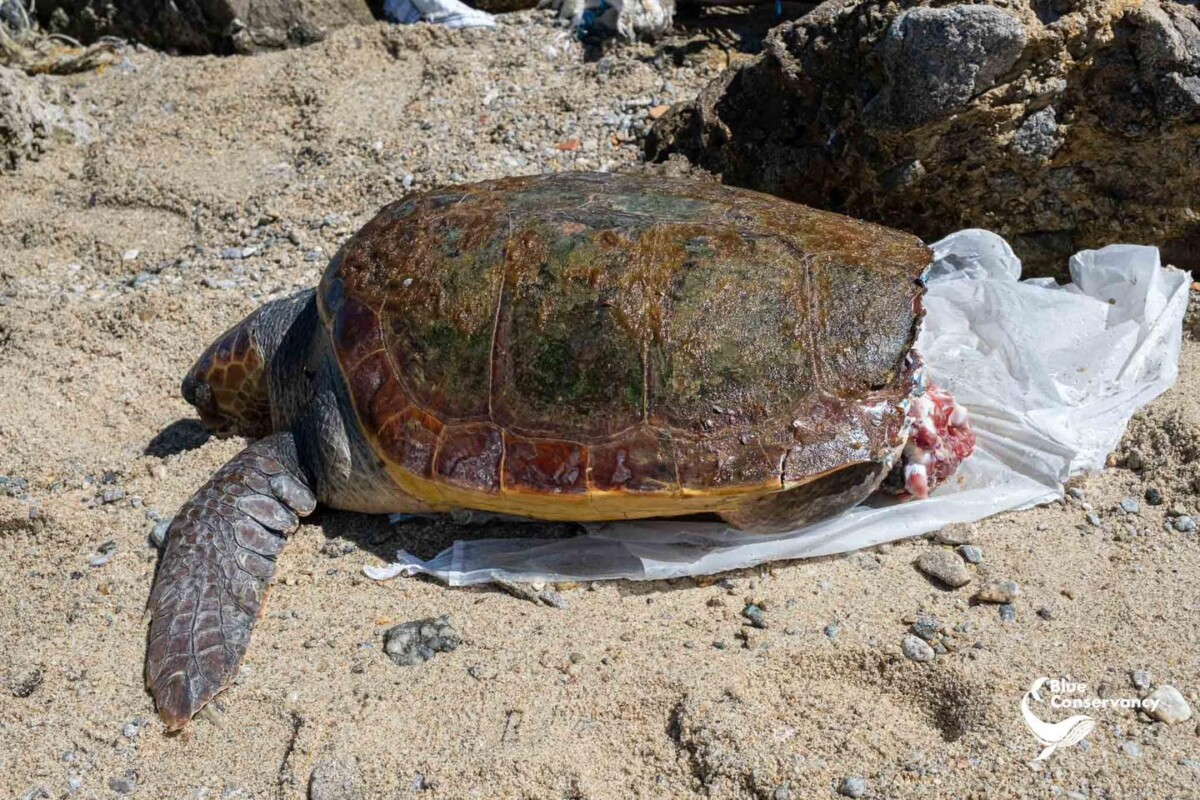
[
  {"x": 1046, "y": 613},
  {"x": 103, "y": 554},
  {"x": 917, "y": 649},
  {"x": 927, "y": 628},
  {"x": 1185, "y": 524},
  {"x": 945, "y": 567},
  {"x": 1076, "y": 493},
  {"x": 955, "y": 534},
  {"x": 122, "y": 785},
  {"x": 1170, "y": 705},
  {"x": 1008, "y": 612},
  {"x": 158, "y": 534},
  {"x": 1153, "y": 497},
  {"x": 998, "y": 592},
  {"x": 1131, "y": 749},
  {"x": 1093, "y": 519},
  {"x": 755, "y": 615},
  {"x": 1140, "y": 678},
  {"x": 852, "y": 787},
  {"x": 413, "y": 642},
  {"x": 970, "y": 553},
  {"x": 1130, "y": 506},
  {"x": 831, "y": 631}
]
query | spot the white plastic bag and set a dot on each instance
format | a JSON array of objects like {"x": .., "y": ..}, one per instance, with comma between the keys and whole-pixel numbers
[
  {"x": 1051, "y": 375},
  {"x": 451, "y": 13}
]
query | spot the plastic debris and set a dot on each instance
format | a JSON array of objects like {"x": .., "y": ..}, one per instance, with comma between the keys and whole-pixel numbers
[
  {"x": 629, "y": 19},
  {"x": 451, "y": 13},
  {"x": 1050, "y": 375}
]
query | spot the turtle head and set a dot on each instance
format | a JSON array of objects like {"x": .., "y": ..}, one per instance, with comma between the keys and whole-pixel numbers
[{"x": 231, "y": 383}]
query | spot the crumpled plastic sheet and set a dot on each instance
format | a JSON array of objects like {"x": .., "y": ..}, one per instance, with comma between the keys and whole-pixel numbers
[
  {"x": 451, "y": 13},
  {"x": 1050, "y": 374},
  {"x": 629, "y": 19}
]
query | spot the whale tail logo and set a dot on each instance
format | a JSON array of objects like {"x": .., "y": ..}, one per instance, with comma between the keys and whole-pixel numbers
[{"x": 1053, "y": 735}]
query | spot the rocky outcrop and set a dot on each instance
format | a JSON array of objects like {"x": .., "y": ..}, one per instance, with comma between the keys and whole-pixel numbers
[
  {"x": 1060, "y": 124},
  {"x": 203, "y": 26},
  {"x": 23, "y": 124}
]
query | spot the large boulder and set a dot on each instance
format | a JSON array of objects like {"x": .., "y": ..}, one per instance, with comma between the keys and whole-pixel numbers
[
  {"x": 1060, "y": 124},
  {"x": 203, "y": 26}
]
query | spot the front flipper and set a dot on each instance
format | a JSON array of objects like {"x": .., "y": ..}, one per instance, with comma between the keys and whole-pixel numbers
[{"x": 213, "y": 578}]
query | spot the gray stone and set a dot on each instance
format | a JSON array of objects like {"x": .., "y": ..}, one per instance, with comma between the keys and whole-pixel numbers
[
  {"x": 1140, "y": 679},
  {"x": 755, "y": 616},
  {"x": 917, "y": 649},
  {"x": 1130, "y": 506},
  {"x": 1131, "y": 749},
  {"x": 1184, "y": 524},
  {"x": 413, "y": 642},
  {"x": 1038, "y": 137},
  {"x": 158, "y": 534},
  {"x": 970, "y": 553},
  {"x": 945, "y": 567},
  {"x": 928, "y": 628},
  {"x": 1169, "y": 705},
  {"x": 852, "y": 787},
  {"x": 123, "y": 784},
  {"x": 937, "y": 59},
  {"x": 1008, "y": 612}
]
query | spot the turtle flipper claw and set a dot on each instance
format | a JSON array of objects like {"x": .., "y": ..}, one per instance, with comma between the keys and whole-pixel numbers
[{"x": 218, "y": 564}]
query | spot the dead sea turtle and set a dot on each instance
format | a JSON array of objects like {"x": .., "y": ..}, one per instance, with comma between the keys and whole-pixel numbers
[{"x": 563, "y": 347}]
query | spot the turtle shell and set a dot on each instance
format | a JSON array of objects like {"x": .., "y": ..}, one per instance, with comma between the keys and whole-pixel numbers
[{"x": 597, "y": 346}]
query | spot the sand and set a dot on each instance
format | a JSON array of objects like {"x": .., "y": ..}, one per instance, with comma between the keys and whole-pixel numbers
[{"x": 633, "y": 690}]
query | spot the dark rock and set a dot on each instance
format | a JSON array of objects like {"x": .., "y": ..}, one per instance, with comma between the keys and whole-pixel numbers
[
  {"x": 413, "y": 642},
  {"x": 983, "y": 115},
  {"x": 204, "y": 26}
]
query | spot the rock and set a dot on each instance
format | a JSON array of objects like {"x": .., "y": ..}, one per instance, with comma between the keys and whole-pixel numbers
[
  {"x": 413, "y": 642},
  {"x": 26, "y": 684},
  {"x": 1153, "y": 497},
  {"x": 945, "y": 567},
  {"x": 832, "y": 631},
  {"x": 1169, "y": 705},
  {"x": 1130, "y": 506},
  {"x": 190, "y": 26},
  {"x": 158, "y": 534},
  {"x": 954, "y": 535},
  {"x": 927, "y": 628},
  {"x": 755, "y": 615},
  {"x": 852, "y": 787},
  {"x": 1131, "y": 749},
  {"x": 334, "y": 779},
  {"x": 970, "y": 553},
  {"x": 917, "y": 649},
  {"x": 937, "y": 59},
  {"x": 932, "y": 119},
  {"x": 998, "y": 592},
  {"x": 123, "y": 784},
  {"x": 1184, "y": 524},
  {"x": 1008, "y": 612},
  {"x": 23, "y": 121},
  {"x": 1140, "y": 679}
]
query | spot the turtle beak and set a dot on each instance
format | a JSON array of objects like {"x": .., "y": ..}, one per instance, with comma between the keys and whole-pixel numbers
[{"x": 198, "y": 393}]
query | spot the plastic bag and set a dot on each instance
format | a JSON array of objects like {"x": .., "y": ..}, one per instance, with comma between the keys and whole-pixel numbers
[
  {"x": 1051, "y": 375},
  {"x": 451, "y": 13}
]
